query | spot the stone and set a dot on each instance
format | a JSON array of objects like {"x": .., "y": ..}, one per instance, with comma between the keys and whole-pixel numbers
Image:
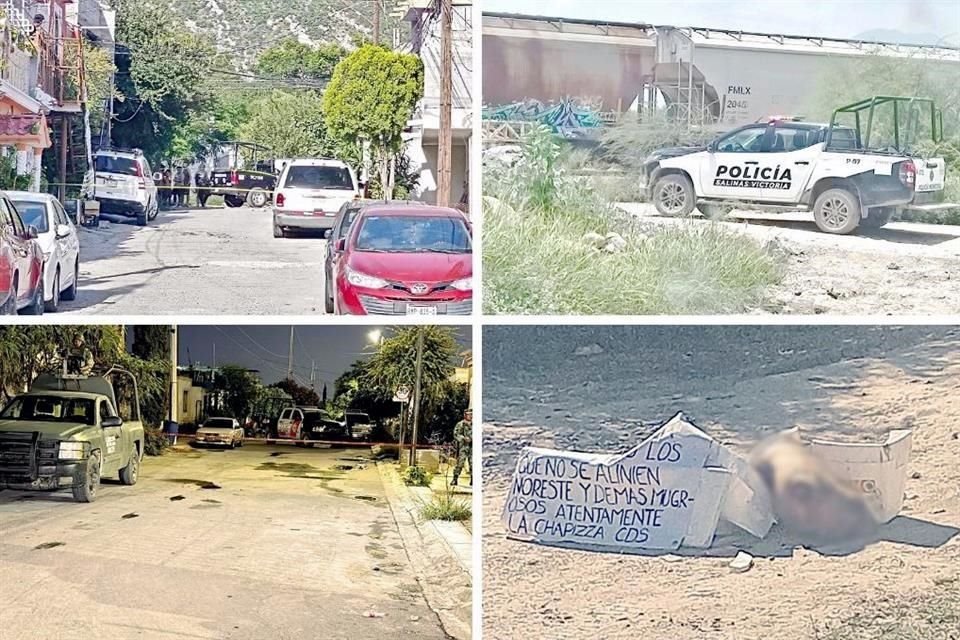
[{"x": 742, "y": 562}]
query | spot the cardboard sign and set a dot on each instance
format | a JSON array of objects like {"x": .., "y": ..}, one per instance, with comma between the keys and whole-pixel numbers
[{"x": 666, "y": 492}]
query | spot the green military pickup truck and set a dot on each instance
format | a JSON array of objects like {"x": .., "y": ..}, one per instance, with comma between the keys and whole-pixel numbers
[{"x": 66, "y": 433}]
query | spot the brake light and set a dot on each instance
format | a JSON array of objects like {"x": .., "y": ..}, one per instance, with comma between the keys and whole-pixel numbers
[
  {"x": 279, "y": 200},
  {"x": 234, "y": 178},
  {"x": 138, "y": 169},
  {"x": 908, "y": 173}
]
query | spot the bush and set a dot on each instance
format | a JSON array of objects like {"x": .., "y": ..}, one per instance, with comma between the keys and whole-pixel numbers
[
  {"x": 416, "y": 476},
  {"x": 156, "y": 441},
  {"x": 535, "y": 260},
  {"x": 446, "y": 507}
]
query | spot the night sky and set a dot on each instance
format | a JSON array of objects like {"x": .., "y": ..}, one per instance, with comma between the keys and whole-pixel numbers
[{"x": 264, "y": 348}]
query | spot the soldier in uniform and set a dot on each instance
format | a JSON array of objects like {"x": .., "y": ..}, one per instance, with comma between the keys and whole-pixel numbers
[
  {"x": 79, "y": 358},
  {"x": 463, "y": 435}
]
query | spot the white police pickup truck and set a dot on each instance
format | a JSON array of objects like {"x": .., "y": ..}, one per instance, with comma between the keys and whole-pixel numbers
[{"x": 785, "y": 163}]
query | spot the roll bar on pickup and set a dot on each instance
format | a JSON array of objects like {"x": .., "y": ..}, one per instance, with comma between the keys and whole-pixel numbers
[{"x": 913, "y": 104}]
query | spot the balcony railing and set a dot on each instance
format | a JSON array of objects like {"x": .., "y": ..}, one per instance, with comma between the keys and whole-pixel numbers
[{"x": 39, "y": 62}]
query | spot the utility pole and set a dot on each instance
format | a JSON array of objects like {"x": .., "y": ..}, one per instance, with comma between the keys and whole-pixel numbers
[
  {"x": 290, "y": 356},
  {"x": 173, "y": 382},
  {"x": 313, "y": 374},
  {"x": 377, "y": 10},
  {"x": 214, "y": 355},
  {"x": 416, "y": 398},
  {"x": 445, "y": 143}
]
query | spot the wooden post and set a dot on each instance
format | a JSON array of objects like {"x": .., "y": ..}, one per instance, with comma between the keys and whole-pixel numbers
[
  {"x": 377, "y": 8},
  {"x": 64, "y": 149},
  {"x": 445, "y": 142}
]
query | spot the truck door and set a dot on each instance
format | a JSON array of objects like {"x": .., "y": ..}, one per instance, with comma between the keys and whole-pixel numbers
[
  {"x": 793, "y": 151},
  {"x": 113, "y": 441},
  {"x": 289, "y": 423},
  {"x": 732, "y": 166}
]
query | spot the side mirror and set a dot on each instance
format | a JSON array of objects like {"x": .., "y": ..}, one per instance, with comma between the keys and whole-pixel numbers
[
  {"x": 112, "y": 421},
  {"x": 327, "y": 234},
  {"x": 341, "y": 244},
  {"x": 712, "y": 147},
  {"x": 32, "y": 232},
  {"x": 63, "y": 230}
]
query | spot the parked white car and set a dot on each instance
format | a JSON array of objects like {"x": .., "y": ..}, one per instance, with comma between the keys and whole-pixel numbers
[
  {"x": 309, "y": 194},
  {"x": 123, "y": 184},
  {"x": 59, "y": 241},
  {"x": 220, "y": 431}
]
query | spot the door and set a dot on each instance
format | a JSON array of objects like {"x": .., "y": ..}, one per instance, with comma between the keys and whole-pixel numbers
[
  {"x": 7, "y": 258},
  {"x": 792, "y": 153},
  {"x": 731, "y": 169},
  {"x": 113, "y": 441},
  {"x": 23, "y": 254},
  {"x": 289, "y": 423}
]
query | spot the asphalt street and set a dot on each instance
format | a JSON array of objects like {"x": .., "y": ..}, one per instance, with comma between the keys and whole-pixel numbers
[
  {"x": 199, "y": 262},
  {"x": 285, "y": 543}
]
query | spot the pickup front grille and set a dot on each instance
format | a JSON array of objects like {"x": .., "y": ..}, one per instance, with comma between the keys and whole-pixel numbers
[{"x": 19, "y": 453}]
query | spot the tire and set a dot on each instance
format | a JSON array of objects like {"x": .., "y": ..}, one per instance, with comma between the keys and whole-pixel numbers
[
  {"x": 54, "y": 304},
  {"x": 878, "y": 217},
  {"x": 35, "y": 308},
  {"x": 837, "y": 211},
  {"x": 9, "y": 307},
  {"x": 86, "y": 491},
  {"x": 70, "y": 293},
  {"x": 257, "y": 198},
  {"x": 328, "y": 299},
  {"x": 673, "y": 195},
  {"x": 278, "y": 232},
  {"x": 240, "y": 442},
  {"x": 233, "y": 201},
  {"x": 142, "y": 218},
  {"x": 155, "y": 212},
  {"x": 130, "y": 473}
]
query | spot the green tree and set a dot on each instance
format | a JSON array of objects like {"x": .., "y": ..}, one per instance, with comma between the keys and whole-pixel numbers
[
  {"x": 353, "y": 391},
  {"x": 151, "y": 342},
  {"x": 370, "y": 99},
  {"x": 293, "y": 59},
  {"x": 303, "y": 396},
  {"x": 241, "y": 390},
  {"x": 163, "y": 76},
  {"x": 447, "y": 411},
  {"x": 291, "y": 124}
]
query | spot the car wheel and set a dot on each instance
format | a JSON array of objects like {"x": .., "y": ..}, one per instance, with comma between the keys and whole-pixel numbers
[
  {"x": 54, "y": 304},
  {"x": 673, "y": 195},
  {"x": 142, "y": 218},
  {"x": 257, "y": 198},
  {"x": 35, "y": 308},
  {"x": 130, "y": 473},
  {"x": 10, "y": 306},
  {"x": 86, "y": 489},
  {"x": 154, "y": 211},
  {"x": 70, "y": 293},
  {"x": 278, "y": 231},
  {"x": 328, "y": 300},
  {"x": 837, "y": 211},
  {"x": 878, "y": 217}
]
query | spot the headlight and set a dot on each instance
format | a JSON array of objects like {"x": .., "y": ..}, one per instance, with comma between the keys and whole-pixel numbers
[
  {"x": 72, "y": 451},
  {"x": 464, "y": 284},
  {"x": 358, "y": 279}
]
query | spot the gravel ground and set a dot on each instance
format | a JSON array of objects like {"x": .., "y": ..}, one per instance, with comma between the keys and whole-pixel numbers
[
  {"x": 199, "y": 262},
  {"x": 904, "y": 268},
  {"x": 603, "y": 389}
]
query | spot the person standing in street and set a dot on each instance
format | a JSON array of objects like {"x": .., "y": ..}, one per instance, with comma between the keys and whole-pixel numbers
[{"x": 463, "y": 436}]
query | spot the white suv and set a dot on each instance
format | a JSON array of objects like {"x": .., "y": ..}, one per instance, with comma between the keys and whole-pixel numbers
[
  {"x": 123, "y": 184},
  {"x": 309, "y": 194}
]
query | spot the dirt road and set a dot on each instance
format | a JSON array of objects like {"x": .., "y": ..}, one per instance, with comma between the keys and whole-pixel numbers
[
  {"x": 290, "y": 545},
  {"x": 199, "y": 262},
  {"x": 739, "y": 383},
  {"x": 902, "y": 269}
]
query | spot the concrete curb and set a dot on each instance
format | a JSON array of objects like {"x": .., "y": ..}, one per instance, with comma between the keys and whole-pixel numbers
[{"x": 436, "y": 554}]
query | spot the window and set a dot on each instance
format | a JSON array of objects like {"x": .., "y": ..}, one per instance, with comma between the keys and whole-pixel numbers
[
  {"x": 18, "y": 226},
  {"x": 33, "y": 213},
  {"x": 6, "y": 219},
  {"x": 106, "y": 411},
  {"x": 788, "y": 138},
  {"x": 348, "y": 217},
  {"x": 310, "y": 177},
  {"x": 749, "y": 140},
  {"x": 112, "y": 164}
]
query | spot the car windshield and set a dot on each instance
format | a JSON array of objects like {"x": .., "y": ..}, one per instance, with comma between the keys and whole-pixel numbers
[
  {"x": 357, "y": 418},
  {"x": 218, "y": 423},
  {"x": 33, "y": 214},
  {"x": 114, "y": 164},
  {"x": 51, "y": 409},
  {"x": 413, "y": 234},
  {"x": 319, "y": 177}
]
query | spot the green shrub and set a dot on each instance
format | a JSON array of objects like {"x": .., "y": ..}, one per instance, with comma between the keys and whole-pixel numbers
[
  {"x": 446, "y": 507},
  {"x": 156, "y": 441},
  {"x": 416, "y": 476}
]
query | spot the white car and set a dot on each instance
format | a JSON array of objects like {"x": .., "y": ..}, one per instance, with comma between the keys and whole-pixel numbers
[
  {"x": 59, "y": 241},
  {"x": 123, "y": 184},
  {"x": 790, "y": 164},
  {"x": 309, "y": 194},
  {"x": 221, "y": 432}
]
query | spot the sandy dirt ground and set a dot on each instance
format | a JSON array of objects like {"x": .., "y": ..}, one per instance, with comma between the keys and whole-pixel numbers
[
  {"x": 904, "y": 268},
  {"x": 739, "y": 384},
  {"x": 289, "y": 544},
  {"x": 199, "y": 262}
]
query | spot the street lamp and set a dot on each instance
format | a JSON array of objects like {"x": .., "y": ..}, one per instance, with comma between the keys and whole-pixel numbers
[{"x": 375, "y": 336}]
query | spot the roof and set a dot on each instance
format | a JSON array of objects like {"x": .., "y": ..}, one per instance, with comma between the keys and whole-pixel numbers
[
  {"x": 31, "y": 196},
  {"x": 87, "y": 395},
  {"x": 315, "y": 162}
]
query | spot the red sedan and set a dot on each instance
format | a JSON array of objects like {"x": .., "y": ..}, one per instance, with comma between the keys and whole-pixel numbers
[
  {"x": 406, "y": 260},
  {"x": 21, "y": 263}
]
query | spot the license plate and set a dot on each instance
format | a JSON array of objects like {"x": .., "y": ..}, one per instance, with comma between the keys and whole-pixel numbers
[
  {"x": 416, "y": 310},
  {"x": 933, "y": 186}
]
